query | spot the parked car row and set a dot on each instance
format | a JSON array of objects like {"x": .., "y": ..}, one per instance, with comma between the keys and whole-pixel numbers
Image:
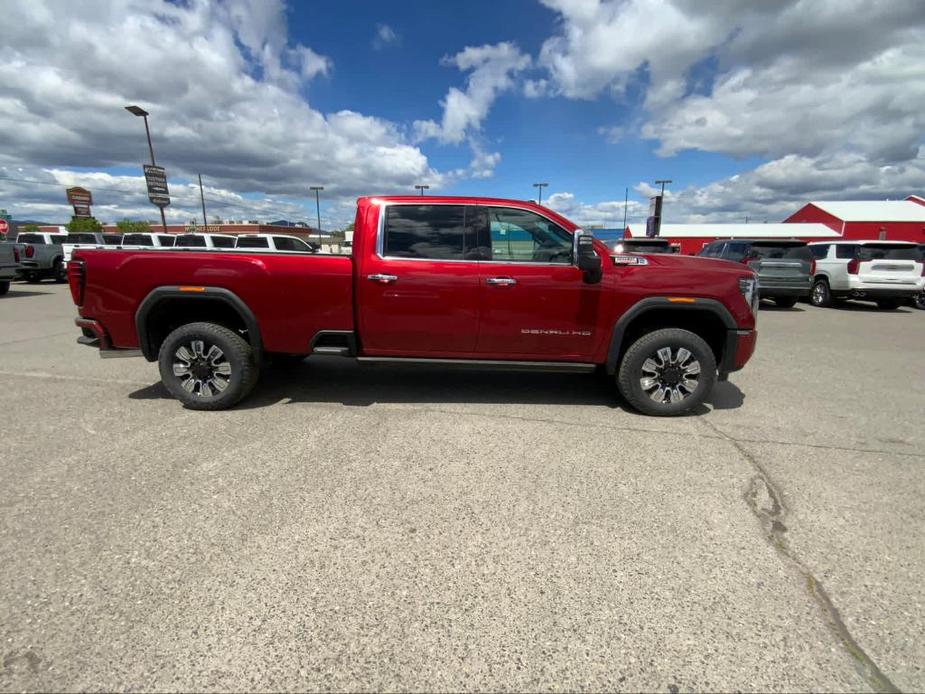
[
  {"x": 825, "y": 272},
  {"x": 45, "y": 255}
]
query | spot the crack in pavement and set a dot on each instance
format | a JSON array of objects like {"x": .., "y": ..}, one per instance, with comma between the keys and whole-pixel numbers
[{"x": 766, "y": 502}]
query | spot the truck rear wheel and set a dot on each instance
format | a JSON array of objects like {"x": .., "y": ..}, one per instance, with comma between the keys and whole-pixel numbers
[
  {"x": 887, "y": 304},
  {"x": 667, "y": 372},
  {"x": 4, "y": 287},
  {"x": 207, "y": 366}
]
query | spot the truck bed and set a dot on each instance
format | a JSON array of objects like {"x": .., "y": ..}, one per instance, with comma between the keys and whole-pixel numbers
[{"x": 307, "y": 293}]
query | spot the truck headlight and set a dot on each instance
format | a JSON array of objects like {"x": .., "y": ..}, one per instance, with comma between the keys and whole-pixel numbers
[{"x": 749, "y": 288}]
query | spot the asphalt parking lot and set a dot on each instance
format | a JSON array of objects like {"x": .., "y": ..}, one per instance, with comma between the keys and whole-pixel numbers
[{"x": 359, "y": 528}]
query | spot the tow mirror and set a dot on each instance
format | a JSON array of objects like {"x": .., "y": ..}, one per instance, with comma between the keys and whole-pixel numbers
[{"x": 586, "y": 259}]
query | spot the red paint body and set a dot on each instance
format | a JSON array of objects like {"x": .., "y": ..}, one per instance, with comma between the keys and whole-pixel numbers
[{"x": 437, "y": 309}]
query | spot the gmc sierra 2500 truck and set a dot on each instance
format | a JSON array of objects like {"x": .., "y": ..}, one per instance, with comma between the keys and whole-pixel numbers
[{"x": 440, "y": 280}]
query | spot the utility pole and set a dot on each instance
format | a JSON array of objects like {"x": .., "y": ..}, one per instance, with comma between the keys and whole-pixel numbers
[
  {"x": 138, "y": 111},
  {"x": 317, "y": 190},
  {"x": 422, "y": 187},
  {"x": 202, "y": 199},
  {"x": 626, "y": 202},
  {"x": 539, "y": 187}
]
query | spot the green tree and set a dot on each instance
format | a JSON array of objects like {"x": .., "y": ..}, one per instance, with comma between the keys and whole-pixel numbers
[
  {"x": 84, "y": 224},
  {"x": 29, "y": 229},
  {"x": 128, "y": 226}
]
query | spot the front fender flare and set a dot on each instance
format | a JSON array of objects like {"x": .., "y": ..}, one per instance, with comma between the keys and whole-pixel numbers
[{"x": 660, "y": 302}]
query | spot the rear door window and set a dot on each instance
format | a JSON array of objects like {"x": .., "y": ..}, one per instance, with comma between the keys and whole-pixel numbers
[
  {"x": 223, "y": 241},
  {"x": 284, "y": 243},
  {"x": 81, "y": 238},
  {"x": 252, "y": 242},
  {"x": 435, "y": 232},
  {"x": 190, "y": 241},
  {"x": 845, "y": 251},
  {"x": 819, "y": 252},
  {"x": 166, "y": 239},
  {"x": 112, "y": 239},
  {"x": 137, "y": 240}
]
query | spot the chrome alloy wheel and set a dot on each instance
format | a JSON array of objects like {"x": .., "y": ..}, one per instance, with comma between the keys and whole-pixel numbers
[
  {"x": 818, "y": 293},
  {"x": 201, "y": 372},
  {"x": 670, "y": 375}
]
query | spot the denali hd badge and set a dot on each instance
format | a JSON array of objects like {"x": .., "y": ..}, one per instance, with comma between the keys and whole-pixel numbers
[{"x": 564, "y": 333}]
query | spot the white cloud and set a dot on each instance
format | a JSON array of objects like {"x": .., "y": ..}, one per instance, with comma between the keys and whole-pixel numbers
[
  {"x": 806, "y": 77},
  {"x": 607, "y": 213},
  {"x": 493, "y": 70},
  {"x": 224, "y": 86},
  {"x": 385, "y": 37},
  {"x": 39, "y": 194}
]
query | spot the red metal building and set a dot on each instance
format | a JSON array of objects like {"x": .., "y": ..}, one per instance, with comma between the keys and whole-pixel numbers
[{"x": 893, "y": 220}]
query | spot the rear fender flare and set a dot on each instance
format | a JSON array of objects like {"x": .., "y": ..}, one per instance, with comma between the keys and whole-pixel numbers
[
  {"x": 660, "y": 302},
  {"x": 156, "y": 296}
]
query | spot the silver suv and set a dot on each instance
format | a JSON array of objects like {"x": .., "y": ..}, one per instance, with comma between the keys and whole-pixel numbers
[{"x": 888, "y": 272}]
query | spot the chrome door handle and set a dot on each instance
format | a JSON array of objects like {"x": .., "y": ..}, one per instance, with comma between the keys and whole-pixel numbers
[
  {"x": 502, "y": 281},
  {"x": 383, "y": 279}
]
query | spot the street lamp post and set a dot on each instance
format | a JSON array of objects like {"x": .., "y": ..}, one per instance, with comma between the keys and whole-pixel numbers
[
  {"x": 539, "y": 187},
  {"x": 422, "y": 188},
  {"x": 138, "y": 111},
  {"x": 317, "y": 190}
]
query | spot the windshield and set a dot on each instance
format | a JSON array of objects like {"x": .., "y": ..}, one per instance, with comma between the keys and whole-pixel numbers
[{"x": 888, "y": 252}]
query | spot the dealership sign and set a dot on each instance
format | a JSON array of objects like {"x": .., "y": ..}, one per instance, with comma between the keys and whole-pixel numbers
[
  {"x": 156, "y": 180},
  {"x": 80, "y": 199}
]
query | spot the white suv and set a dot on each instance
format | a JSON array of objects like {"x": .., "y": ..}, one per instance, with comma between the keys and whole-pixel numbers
[{"x": 888, "y": 272}]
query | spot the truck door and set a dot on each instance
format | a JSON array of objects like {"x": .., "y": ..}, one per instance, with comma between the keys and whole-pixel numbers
[
  {"x": 535, "y": 304},
  {"x": 418, "y": 287}
]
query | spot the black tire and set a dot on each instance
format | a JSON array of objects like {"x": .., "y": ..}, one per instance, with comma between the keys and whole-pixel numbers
[
  {"x": 820, "y": 295},
  {"x": 59, "y": 271},
  {"x": 785, "y": 301},
  {"x": 633, "y": 372},
  {"x": 225, "y": 386},
  {"x": 33, "y": 277},
  {"x": 887, "y": 304},
  {"x": 919, "y": 301},
  {"x": 4, "y": 287}
]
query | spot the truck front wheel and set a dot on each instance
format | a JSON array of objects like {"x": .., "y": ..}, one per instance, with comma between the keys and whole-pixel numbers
[
  {"x": 667, "y": 372},
  {"x": 207, "y": 366}
]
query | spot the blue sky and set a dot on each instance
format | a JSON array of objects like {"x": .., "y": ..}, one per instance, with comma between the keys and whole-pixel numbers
[{"x": 751, "y": 109}]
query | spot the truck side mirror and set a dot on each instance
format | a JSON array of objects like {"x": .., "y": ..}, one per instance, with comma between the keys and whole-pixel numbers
[{"x": 586, "y": 259}]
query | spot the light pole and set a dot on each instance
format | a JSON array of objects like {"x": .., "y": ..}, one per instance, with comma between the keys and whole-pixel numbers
[
  {"x": 138, "y": 111},
  {"x": 422, "y": 188},
  {"x": 663, "y": 181},
  {"x": 202, "y": 199},
  {"x": 317, "y": 190},
  {"x": 540, "y": 186}
]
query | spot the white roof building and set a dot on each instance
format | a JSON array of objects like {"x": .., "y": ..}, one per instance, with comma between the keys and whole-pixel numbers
[
  {"x": 749, "y": 231},
  {"x": 873, "y": 210}
]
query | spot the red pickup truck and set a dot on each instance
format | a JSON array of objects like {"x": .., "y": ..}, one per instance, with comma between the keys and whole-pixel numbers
[{"x": 439, "y": 280}]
